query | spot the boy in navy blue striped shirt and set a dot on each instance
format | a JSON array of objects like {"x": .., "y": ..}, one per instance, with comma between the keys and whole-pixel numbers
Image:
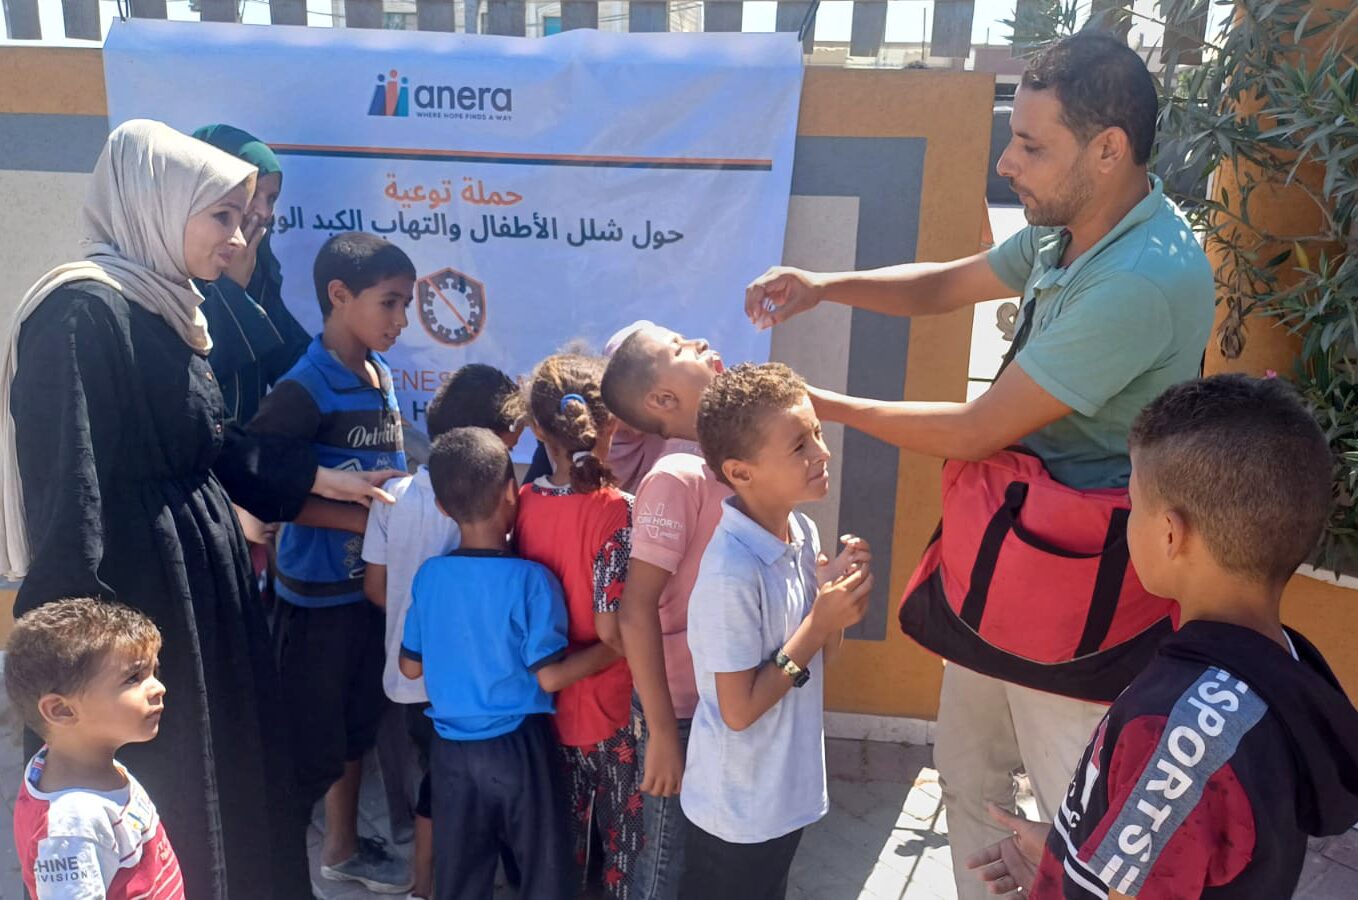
[{"x": 339, "y": 397}]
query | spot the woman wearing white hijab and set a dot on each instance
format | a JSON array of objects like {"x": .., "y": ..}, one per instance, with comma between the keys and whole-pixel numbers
[{"x": 112, "y": 444}]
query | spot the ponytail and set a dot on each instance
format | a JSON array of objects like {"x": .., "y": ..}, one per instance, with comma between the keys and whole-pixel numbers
[{"x": 566, "y": 403}]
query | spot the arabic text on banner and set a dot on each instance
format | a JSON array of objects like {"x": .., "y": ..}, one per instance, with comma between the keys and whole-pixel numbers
[{"x": 548, "y": 190}]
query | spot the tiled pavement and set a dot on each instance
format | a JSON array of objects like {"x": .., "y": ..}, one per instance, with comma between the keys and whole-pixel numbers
[{"x": 885, "y": 836}]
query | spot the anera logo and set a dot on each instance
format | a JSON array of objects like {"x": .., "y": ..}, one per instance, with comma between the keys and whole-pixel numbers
[
  {"x": 395, "y": 96},
  {"x": 391, "y": 96}
]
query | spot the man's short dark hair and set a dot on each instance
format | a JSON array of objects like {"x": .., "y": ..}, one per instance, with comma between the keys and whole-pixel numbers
[
  {"x": 358, "y": 260},
  {"x": 477, "y": 396},
  {"x": 59, "y": 647},
  {"x": 735, "y": 407},
  {"x": 1101, "y": 83},
  {"x": 1244, "y": 462},
  {"x": 627, "y": 380},
  {"x": 468, "y": 468}
]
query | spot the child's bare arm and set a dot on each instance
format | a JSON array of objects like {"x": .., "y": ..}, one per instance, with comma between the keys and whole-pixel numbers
[
  {"x": 833, "y": 646},
  {"x": 256, "y": 532},
  {"x": 410, "y": 668},
  {"x": 320, "y": 513},
  {"x": 609, "y": 630},
  {"x": 375, "y": 584},
  {"x": 643, "y": 642},
  {"x": 581, "y": 664},
  {"x": 744, "y": 697}
]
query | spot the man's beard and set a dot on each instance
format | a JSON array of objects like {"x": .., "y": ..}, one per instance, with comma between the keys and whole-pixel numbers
[{"x": 1062, "y": 209}]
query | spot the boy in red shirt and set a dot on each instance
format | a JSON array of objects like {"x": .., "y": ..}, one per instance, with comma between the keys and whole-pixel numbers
[
  {"x": 578, "y": 525},
  {"x": 82, "y": 672},
  {"x": 654, "y": 382}
]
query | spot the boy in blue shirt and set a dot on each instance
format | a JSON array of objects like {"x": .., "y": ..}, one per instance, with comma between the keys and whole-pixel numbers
[
  {"x": 403, "y": 535},
  {"x": 487, "y": 631},
  {"x": 766, "y": 609},
  {"x": 339, "y": 397}
]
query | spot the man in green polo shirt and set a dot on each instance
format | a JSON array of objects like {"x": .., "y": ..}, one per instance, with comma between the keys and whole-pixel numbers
[{"x": 1117, "y": 306}]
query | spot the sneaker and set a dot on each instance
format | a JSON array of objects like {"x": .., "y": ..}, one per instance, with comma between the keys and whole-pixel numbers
[{"x": 374, "y": 867}]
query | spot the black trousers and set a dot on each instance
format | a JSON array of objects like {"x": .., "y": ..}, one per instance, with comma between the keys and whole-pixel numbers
[
  {"x": 719, "y": 870},
  {"x": 421, "y": 730},
  {"x": 330, "y": 660},
  {"x": 496, "y": 795}
]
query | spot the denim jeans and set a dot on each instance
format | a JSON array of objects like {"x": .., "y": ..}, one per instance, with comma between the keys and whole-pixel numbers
[{"x": 660, "y": 865}]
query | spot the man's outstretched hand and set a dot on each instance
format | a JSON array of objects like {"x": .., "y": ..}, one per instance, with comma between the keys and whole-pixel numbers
[{"x": 779, "y": 294}]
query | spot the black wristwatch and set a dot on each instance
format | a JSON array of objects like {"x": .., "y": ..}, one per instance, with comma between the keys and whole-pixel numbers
[{"x": 798, "y": 675}]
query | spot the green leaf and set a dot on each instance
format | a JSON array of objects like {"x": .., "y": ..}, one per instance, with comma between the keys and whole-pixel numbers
[
  {"x": 1301, "y": 26},
  {"x": 1278, "y": 260}
]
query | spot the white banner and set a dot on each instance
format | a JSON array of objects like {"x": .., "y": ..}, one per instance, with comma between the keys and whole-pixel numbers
[{"x": 547, "y": 189}]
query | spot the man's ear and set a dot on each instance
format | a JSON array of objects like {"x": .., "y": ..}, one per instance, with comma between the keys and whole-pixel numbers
[
  {"x": 1111, "y": 146},
  {"x": 57, "y": 711}
]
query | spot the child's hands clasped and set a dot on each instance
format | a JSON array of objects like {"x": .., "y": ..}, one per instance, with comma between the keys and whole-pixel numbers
[
  {"x": 857, "y": 553},
  {"x": 845, "y": 586}
]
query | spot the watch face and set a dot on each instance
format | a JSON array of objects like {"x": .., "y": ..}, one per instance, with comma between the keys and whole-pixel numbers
[
  {"x": 452, "y": 307},
  {"x": 798, "y": 675}
]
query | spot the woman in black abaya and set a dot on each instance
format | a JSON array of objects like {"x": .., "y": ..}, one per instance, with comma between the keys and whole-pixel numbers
[{"x": 114, "y": 456}]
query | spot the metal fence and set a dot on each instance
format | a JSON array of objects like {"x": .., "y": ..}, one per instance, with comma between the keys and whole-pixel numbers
[{"x": 951, "y": 32}]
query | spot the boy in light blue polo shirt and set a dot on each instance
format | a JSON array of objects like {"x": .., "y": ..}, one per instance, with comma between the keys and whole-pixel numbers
[{"x": 765, "y": 611}]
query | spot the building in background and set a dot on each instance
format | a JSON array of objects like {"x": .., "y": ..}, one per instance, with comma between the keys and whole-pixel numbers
[{"x": 953, "y": 34}]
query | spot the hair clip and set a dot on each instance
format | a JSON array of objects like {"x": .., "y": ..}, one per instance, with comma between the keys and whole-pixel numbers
[{"x": 569, "y": 397}]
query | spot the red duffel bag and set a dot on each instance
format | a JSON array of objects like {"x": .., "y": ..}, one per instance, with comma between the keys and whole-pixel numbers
[{"x": 1029, "y": 580}]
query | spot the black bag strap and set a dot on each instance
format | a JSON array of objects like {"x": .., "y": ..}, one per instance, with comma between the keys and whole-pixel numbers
[
  {"x": 1020, "y": 336},
  {"x": 1107, "y": 584},
  {"x": 988, "y": 555}
]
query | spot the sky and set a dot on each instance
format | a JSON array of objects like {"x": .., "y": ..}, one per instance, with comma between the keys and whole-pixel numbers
[{"x": 907, "y": 20}]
